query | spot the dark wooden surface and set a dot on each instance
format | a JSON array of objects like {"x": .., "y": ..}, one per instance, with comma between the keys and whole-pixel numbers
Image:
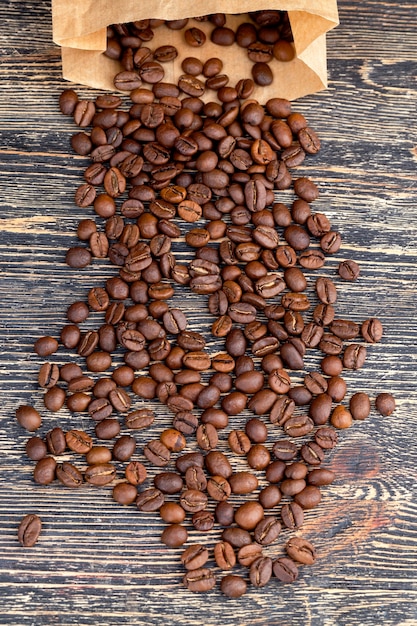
[{"x": 99, "y": 563}]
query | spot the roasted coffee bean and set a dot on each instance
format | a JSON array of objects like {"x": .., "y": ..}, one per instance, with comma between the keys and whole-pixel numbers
[
  {"x": 320, "y": 408},
  {"x": 385, "y": 404},
  {"x": 248, "y": 515},
  {"x": 326, "y": 437},
  {"x": 239, "y": 442},
  {"x": 69, "y": 475},
  {"x": 243, "y": 482},
  {"x": 108, "y": 428},
  {"x": 124, "y": 448},
  {"x": 194, "y": 557},
  {"x": 36, "y": 448},
  {"x": 320, "y": 477},
  {"x": 315, "y": 383},
  {"x": 267, "y": 531},
  {"x": 360, "y": 405},
  {"x": 233, "y": 586},
  {"x": 28, "y": 417},
  {"x": 100, "y": 474},
  {"x": 345, "y": 329},
  {"x": 354, "y": 356},
  {"x": 312, "y": 453},
  {"x": 150, "y": 499},
  {"x": 193, "y": 500},
  {"x": 284, "y": 450},
  {"x": 157, "y": 453},
  {"x": 201, "y": 579},
  {"x": 78, "y": 441},
  {"x": 301, "y": 550},
  {"x": 285, "y": 570},
  {"x": 270, "y": 497},
  {"x": 336, "y": 388},
  {"x": 224, "y": 555},
  {"x": 372, "y": 330},
  {"x": 260, "y": 571},
  {"x": 341, "y": 417},
  {"x": 174, "y": 535},
  {"x": 282, "y": 410},
  {"x": 203, "y": 521},
  {"x": 326, "y": 290},
  {"x": 45, "y": 470},
  {"x": 292, "y": 515},
  {"x": 298, "y": 426},
  {"x": 29, "y": 530}
]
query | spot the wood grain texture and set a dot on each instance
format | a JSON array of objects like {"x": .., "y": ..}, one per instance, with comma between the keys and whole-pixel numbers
[{"x": 99, "y": 563}]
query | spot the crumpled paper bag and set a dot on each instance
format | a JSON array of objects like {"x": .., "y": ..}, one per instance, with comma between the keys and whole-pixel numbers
[{"x": 79, "y": 27}]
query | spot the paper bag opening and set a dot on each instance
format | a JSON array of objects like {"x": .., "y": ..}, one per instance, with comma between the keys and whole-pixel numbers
[{"x": 80, "y": 28}]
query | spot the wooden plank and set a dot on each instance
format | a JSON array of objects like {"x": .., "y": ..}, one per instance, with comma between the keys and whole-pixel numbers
[{"x": 98, "y": 562}]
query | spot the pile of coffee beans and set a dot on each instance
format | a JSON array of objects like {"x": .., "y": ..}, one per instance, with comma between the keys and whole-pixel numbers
[{"x": 182, "y": 196}]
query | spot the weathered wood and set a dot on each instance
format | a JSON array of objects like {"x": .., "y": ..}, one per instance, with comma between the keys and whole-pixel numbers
[{"x": 97, "y": 562}]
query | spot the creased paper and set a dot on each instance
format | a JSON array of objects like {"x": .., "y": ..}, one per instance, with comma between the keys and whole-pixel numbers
[{"x": 79, "y": 27}]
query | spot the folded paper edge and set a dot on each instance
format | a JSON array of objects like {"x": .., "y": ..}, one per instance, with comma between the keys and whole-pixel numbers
[{"x": 69, "y": 25}]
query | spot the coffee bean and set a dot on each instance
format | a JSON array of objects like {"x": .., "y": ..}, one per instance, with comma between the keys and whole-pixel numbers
[
  {"x": 301, "y": 550},
  {"x": 285, "y": 570},
  {"x": 28, "y": 417},
  {"x": 385, "y": 403},
  {"x": 100, "y": 474},
  {"x": 69, "y": 475},
  {"x": 260, "y": 571},
  {"x": 372, "y": 330},
  {"x": 29, "y": 530},
  {"x": 195, "y": 557},
  {"x": 201, "y": 579},
  {"x": 348, "y": 270}
]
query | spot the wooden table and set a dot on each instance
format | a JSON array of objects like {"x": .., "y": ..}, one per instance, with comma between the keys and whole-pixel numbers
[{"x": 99, "y": 563}]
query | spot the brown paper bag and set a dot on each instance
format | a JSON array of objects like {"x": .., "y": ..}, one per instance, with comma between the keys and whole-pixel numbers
[{"x": 79, "y": 27}]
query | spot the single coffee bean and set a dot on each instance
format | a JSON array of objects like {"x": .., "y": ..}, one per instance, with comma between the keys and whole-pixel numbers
[
  {"x": 193, "y": 500},
  {"x": 372, "y": 330},
  {"x": 260, "y": 571},
  {"x": 233, "y": 586},
  {"x": 124, "y": 493},
  {"x": 29, "y": 530},
  {"x": 78, "y": 441},
  {"x": 360, "y": 405},
  {"x": 69, "y": 475},
  {"x": 341, "y": 417},
  {"x": 354, "y": 356},
  {"x": 28, "y": 417},
  {"x": 301, "y": 550},
  {"x": 36, "y": 448},
  {"x": 292, "y": 515},
  {"x": 100, "y": 474},
  {"x": 267, "y": 531},
  {"x": 201, "y": 579},
  {"x": 56, "y": 441},
  {"x": 345, "y": 329},
  {"x": 174, "y": 535},
  {"x": 312, "y": 453},
  {"x": 44, "y": 471},
  {"x": 248, "y": 515},
  {"x": 150, "y": 500},
  {"x": 157, "y": 453},
  {"x": 385, "y": 404},
  {"x": 285, "y": 570},
  {"x": 194, "y": 557},
  {"x": 224, "y": 555},
  {"x": 348, "y": 270},
  {"x": 326, "y": 437},
  {"x": 320, "y": 477}
]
